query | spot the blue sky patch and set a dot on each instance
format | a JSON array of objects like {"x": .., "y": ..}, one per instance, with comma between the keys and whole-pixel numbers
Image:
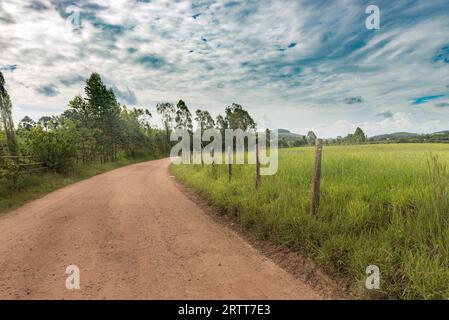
[
  {"x": 126, "y": 96},
  {"x": 48, "y": 90},
  {"x": 442, "y": 55},
  {"x": 151, "y": 61},
  {"x": 425, "y": 99},
  {"x": 10, "y": 68}
]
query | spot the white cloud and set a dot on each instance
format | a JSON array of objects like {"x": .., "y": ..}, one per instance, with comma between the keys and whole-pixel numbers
[{"x": 238, "y": 54}]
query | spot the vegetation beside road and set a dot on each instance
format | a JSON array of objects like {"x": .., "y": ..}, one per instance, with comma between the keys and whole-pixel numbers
[
  {"x": 93, "y": 135},
  {"x": 384, "y": 205},
  {"x": 96, "y": 133},
  {"x": 30, "y": 187}
]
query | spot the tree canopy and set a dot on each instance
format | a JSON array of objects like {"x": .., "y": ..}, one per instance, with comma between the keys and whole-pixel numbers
[
  {"x": 238, "y": 118},
  {"x": 6, "y": 118},
  {"x": 311, "y": 138},
  {"x": 359, "y": 136}
]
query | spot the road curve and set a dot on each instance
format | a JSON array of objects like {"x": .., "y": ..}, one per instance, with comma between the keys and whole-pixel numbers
[{"x": 134, "y": 235}]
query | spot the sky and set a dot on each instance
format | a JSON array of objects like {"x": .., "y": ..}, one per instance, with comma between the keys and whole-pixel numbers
[{"x": 300, "y": 65}]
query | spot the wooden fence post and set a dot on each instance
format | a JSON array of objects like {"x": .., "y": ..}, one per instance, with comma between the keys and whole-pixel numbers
[
  {"x": 257, "y": 165},
  {"x": 316, "y": 177},
  {"x": 230, "y": 162},
  {"x": 201, "y": 154}
]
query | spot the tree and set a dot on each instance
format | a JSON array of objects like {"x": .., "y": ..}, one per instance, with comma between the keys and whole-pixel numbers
[
  {"x": 145, "y": 119},
  {"x": 283, "y": 143},
  {"x": 239, "y": 118},
  {"x": 221, "y": 123},
  {"x": 55, "y": 146},
  {"x": 104, "y": 110},
  {"x": 183, "y": 118},
  {"x": 359, "y": 136},
  {"x": 167, "y": 111},
  {"x": 311, "y": 138},
  {"x": 101, "y": 100},
  {"x": 26, "y": 123},
  {"x": 44, "y": 121},
  {"x": 79, "y": 112},
  {"x": 339, "y": 140},
  {"x": 204, "y": 119},
  {"x": 134, "y": 128},
  {"x": 6, "y": 119},
  {"x": 299, "y": 142},
  {"x": 348, "y": 139}
]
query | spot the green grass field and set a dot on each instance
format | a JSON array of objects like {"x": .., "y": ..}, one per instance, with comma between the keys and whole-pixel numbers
[{"x": 384, "y": 205}]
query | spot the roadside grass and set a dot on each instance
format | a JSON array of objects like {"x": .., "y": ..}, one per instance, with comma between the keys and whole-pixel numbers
[
  {"x": 30, "y": 187},
  {"x": 384, "y": 205}
]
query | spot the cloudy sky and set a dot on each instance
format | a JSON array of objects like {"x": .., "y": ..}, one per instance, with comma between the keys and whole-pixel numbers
[{"x": 299, "y": 65}]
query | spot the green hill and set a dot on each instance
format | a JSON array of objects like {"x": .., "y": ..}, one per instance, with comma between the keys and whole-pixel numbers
[
  {"x": 395, "y": 135},
  {"x": 289, "y": 136}
]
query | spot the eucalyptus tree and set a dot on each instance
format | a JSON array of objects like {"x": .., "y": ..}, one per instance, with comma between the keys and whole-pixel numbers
[
  {"x": 205, "y": 122},
  {"x": 204, "y": 119},
  {"x": 311, "y": 138},
  {"x": 183, "y": 118},
  {"x": 167, "y": 112},
  {"x": 26, "y": 123},
  {"x": 6, "y": 118},
  {"x": 238, "y": 118}
]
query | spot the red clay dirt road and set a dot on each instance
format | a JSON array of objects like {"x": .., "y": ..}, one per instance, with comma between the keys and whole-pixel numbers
[{"x": 134, "y": 235}]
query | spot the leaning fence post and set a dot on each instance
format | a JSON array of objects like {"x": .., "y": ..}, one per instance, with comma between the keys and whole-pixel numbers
[
  {"x": 229, "y": 162},
  {"x": 316, "y": 177},
  {"x": 257, "y": 164}
]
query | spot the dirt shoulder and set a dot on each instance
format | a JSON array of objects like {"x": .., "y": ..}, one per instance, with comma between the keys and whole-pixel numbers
[{"x": 293, "y": 262}]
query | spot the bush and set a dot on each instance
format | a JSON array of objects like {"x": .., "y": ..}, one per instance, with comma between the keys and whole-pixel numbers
[{"x": 55, "y": 147}]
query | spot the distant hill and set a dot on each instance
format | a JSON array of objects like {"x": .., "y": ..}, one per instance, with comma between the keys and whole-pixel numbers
[
  {"x": 442, "y": 132},
  {"x": 440, "y": 136},
  {"x": 395, "y": 135},
  {"x": 289, "y": 136},
  {"x": 291, "y": 139}
]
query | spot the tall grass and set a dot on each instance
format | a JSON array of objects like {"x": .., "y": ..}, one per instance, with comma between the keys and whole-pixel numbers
[{"x": 385, "y": 205}]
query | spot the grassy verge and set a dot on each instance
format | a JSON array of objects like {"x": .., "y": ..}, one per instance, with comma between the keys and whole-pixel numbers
[
  {"x": 383, "y": 205},
  {"x": 30, "y": 187}
]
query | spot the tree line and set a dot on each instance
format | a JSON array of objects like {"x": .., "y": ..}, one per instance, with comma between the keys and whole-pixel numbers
[
  {"x": 97, "y": 128},
  {"x": 358, "y": 137}
]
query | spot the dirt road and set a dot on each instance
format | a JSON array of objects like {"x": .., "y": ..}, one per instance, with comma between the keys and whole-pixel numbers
[{"x": 134, "y": 235}]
